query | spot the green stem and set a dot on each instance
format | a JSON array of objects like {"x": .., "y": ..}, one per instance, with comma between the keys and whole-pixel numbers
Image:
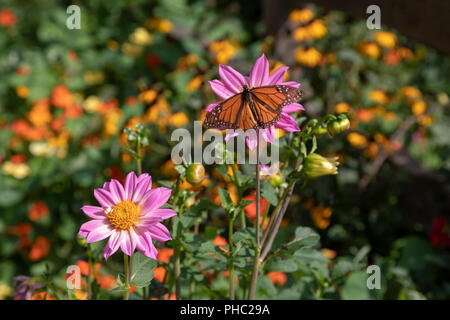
[
  {"x": 126, "y": 271},
  {"x": 238, "y": 187},
  {"x": 139, "y": 160},
  {"x": 255, "y": 271},
  {"x": 230, "y": 258}
]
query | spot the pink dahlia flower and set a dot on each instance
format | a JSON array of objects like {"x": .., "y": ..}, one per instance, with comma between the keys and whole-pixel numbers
[
  {"x": 129, "y": 215},
  {"x": 231, "y": 82}
]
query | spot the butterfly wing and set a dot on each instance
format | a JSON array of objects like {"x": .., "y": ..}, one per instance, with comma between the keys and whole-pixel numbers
[
  {"x": 268, "y": 102},
  {"x": 233, "y": 113},
  {"x": 261, "y": 108}
]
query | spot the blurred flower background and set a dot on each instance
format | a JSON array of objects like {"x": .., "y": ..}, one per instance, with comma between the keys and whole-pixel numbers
[{"x": 66, "y": 96}]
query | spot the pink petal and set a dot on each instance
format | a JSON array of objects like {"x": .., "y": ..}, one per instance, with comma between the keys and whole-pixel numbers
[
  {"x": 152, "y": 252},
  {"x": 94, "y": 212},
  {"x": 293, "y": 107},
  {"x": 160, "y": 233},
  {"x": 141, "y": 189},
  {"x": 232, "y": 79},
  {"x": 113, "y": 243},
  {"x": 163, "y": 214},
  {"x": 117, "y": 191},
  {"x": 130, "y": 183},
  {"x": 213, "y": 105},
  {"x": 268, "y": 134},
  {"x": 100, "y": 233},
  {"x": 287, "y": 123},
  {"x": 143, "y": 177},
  {"x": 128, "y": 244},
  {"x": 291, "y": 84},
  {"x": 230, "y": 133},
  {"x": 277, "y": 76},
  {"x": 220, "y": 90},
  {"x": 259, "y": 75},
  {"x": 106, "y": 186},
  {"x": 104, "y": 198},
  {"x": 158, "y": 197},
  {"x": 91, "y": 225}
]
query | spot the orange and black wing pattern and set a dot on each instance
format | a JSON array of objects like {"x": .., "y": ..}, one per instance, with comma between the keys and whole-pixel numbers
[{"x": 256, "y": 108}]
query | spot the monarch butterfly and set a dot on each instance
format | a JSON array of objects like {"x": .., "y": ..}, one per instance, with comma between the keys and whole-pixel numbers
[{"x": 256, "y": 108}]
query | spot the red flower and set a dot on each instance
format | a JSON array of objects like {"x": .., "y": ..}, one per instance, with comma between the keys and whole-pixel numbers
[
  {"x": 250, "y": 210},
  {"x": 38, "y": 211},
  {"x": 39, "y": 249},
  {"x": 440, "y": 233},
  {"x": 7, "y": 18}
]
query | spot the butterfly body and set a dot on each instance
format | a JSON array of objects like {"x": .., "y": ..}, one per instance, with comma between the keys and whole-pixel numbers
[{"x": 253, "y": 108}]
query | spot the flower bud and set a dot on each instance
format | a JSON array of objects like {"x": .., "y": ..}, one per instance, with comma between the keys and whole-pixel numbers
[
  {"x": 320, "y": 130},
  {"x": 275, "y": 180},
  {"x": 195, "y": 174},
  {"x": 315, "y": 166},
  {"x": 81, "y": 240},
  {"x": 339, "y": 125}
]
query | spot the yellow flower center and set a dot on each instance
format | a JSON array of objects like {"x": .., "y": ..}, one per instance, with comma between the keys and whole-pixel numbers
[{"x": 124, "y": 215}]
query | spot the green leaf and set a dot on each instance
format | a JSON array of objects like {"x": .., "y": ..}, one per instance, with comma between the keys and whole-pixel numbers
[
  {"x": 142, "y": 272},
  {"x": 227, "y": 203},
  {"x": 269, "y": 193},
  {"x": 285, "y": 265},
  {"x": 355, "y": 288}
]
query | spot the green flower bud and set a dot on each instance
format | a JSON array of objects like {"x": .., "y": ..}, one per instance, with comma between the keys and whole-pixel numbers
[
  {"x": 195, "y": 174},
  {"x": 81, "y": 240},
  {"x": 275, "y": 180},
  {"x": 315, "y": 166},
  {"x": 320, "y": 130},
  {"x": 339, "y": 125}
]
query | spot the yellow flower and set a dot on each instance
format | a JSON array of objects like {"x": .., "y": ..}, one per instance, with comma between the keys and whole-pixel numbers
[
  {"x": 40, "y": 149},
  {"x": 224, "y": 51},
  {"x": 80, "y": 294},
  {"x": 93, "y": 77},
  {"x": 17, "y": 170},
  {"x": 187, "y": 61},
  {"x": 425, "y": 120},
  {"x": 386, "y": 39},
  {"x": 112, "y": 45},
  {"x": 5, "y": 290},
  {"x": 301, "y": 34},
  {"x": 178, "y": 119},
  {"x": 301, "y": 15},
  {"x": 22, "y": 91},
  {"x": 411, "y": 93},
  {"x": 141, "y": 37},
  {"x": 342, "y": 107},
  {"x": 194, "y": 84},
  {"x": 442, "y": 98},
  {"x": 389, "y": 116},
  {"x": 158, "y": 113},
  {"x": 419, "y": 107},
  {"x": 370, "y": 49},
  {"x": 161, "y": 25},
  {"x": 378, "y": 96},
  {"x": 131, "y": 49},
  {"x": 317, "y": 29},
  {"x": 357, "y": 140},
  {"x": 91, "y": 104},
  {"x": 309, "y": 57},
  {"x": 331, "y": 58},
  {"x": 148, "y": 96},
  {"x": 111, "y": 122}
]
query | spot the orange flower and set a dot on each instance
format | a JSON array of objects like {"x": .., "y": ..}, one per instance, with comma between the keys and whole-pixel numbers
[
  {"x": 221, "y": 241},
  {"x": 85, "y": 269},
  {"x": 7, "y": 18},
  {"x": 159, "y": 273},
  {"x": 250, "y": 210},
  {"x": 58, "y": 124},
  {"x": 164, "y": 254},
  {"x": 277, "y": 277},
  {"x": 386, "y": 39},
  {"x": 419, "y": 107},
  {"x": 73, "y": 112},
  {"x": 328, "y": 253},
  {"x": 22, "y": 230},
  {"x": 39, "y": 114},
  {"x": 39, "y": 249},
  {"x": 38, "y": 211},
  {"x": 357, "y": 140},
  {"x": 364, "y": 115},
  {"x": 369, "y": 49},
  {"x": 372, "y": 150},
  {"x": 43, "y": 295},
  {"x": 61, "y": 97},
  {"x": 321, "y": 216},
  {"x": 392, "y": 58},
  {"x": 106, "y": 282}
]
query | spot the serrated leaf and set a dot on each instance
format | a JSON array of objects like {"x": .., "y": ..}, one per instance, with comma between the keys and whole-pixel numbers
[
  {"x": 142, "y": 271},
  {"x": 269, "y": 193}
]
